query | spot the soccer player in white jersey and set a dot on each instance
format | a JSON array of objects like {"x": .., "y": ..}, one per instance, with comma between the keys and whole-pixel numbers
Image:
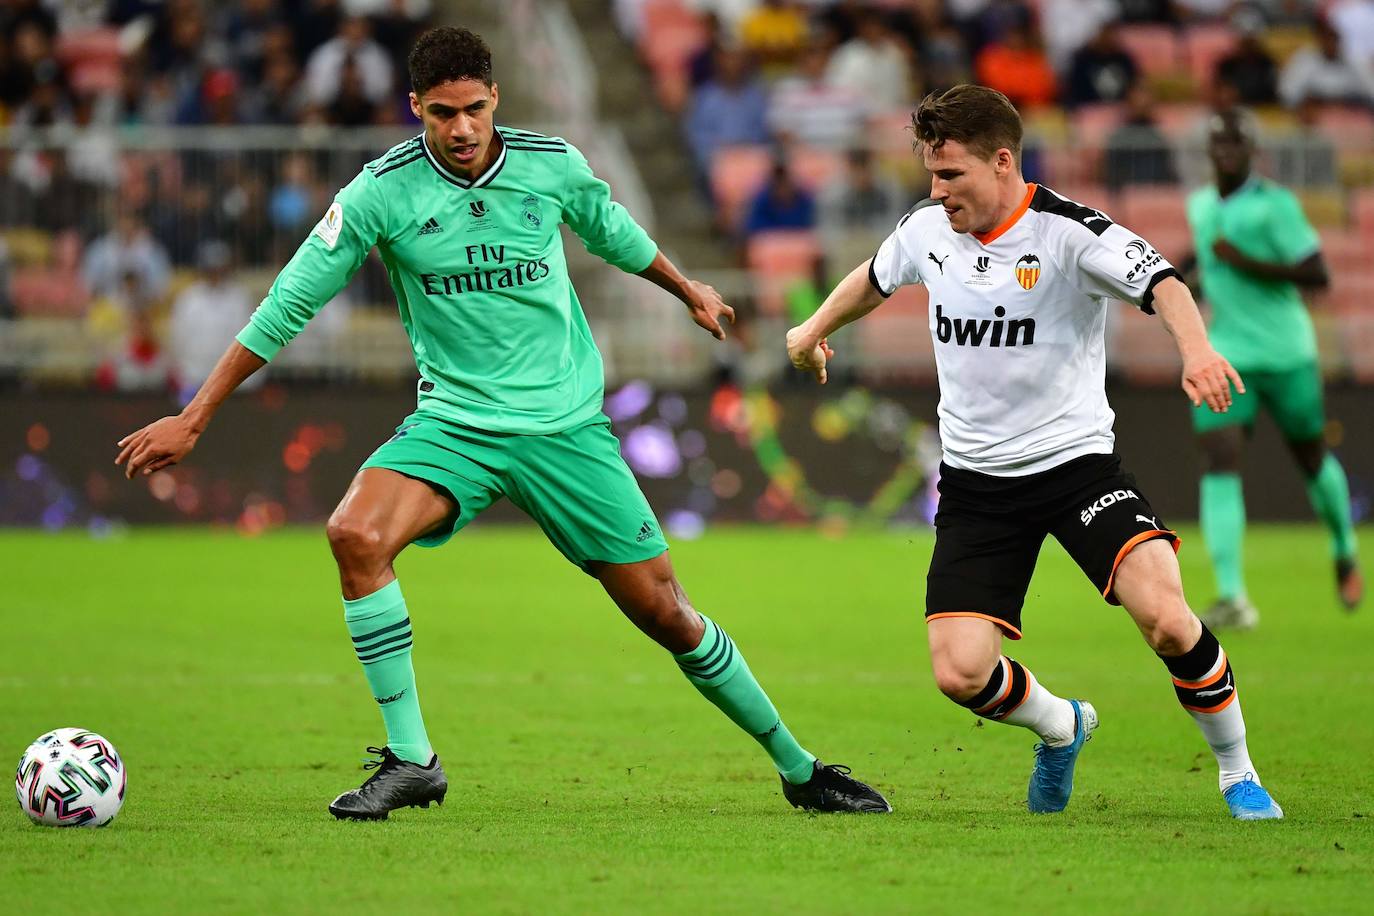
[{"x": 1020, "y": 280}]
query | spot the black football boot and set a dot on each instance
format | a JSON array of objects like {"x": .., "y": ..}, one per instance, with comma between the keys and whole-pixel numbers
[
  {"x": 831, "y": 788},
  {"x": 396, "y": 784}
]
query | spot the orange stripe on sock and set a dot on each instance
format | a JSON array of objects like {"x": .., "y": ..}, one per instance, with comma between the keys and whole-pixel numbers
[
  {"x": 1198, "y": 685},
  {"x": 1229, "y": 700},
  {"x": 1006, "y": 674},
  {"x": 1130, "y": 545},
  {"x": 1011, "y": 631}
]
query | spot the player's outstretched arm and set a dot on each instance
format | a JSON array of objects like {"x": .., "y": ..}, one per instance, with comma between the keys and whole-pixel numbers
[
  {"x": 1207, "y": 376},
  {"x": 854, "y": 298},
  {"x": 166, "y": 441},
  {"x": 703, "y": 302}
]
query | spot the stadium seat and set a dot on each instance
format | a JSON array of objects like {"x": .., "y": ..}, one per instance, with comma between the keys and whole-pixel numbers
[
  {"x": 779, "y": 258},
  {"x": 1362, "y": 206},
  {"x": 737, "y": 173},
  {"x": 1325, "y": 207},
  {"x": 1349, "y": 128},
  {"x": 49, "y": 292},
  {"x": 88, "y": 46},
  {"x": 1141, "y": 348},
  {"x": 1204, "y": 45},
  {"x": 813, "y": 167},
  {"x": 1093, "y": 123},
  {"x": 1178, "y": 119},
  {"x": 1154, "y": 47},
  {"x": 1344, "y": 252},
  {"x": 893, "y": 341},
  {"x": 1152, "y": 206},
  {"x": 672, "y": 34}
]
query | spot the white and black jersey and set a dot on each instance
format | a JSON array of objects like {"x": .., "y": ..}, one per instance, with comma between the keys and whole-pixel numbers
[{"x": 1017, "y": 316}]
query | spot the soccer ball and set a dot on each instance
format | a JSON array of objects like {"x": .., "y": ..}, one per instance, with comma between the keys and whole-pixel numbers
[{"x": 70, "y": 777}]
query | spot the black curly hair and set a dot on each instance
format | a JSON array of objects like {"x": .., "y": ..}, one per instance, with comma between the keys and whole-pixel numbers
[{"x": 446, "y": 53}]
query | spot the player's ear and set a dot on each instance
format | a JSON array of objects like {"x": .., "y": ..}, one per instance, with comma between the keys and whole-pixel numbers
[
  {"x": 415, "y": 105},
  {"x": 1005, "y": 163}
]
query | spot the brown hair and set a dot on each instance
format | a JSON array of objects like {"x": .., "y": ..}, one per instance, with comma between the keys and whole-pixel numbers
[{"x": 982, "y": 119}]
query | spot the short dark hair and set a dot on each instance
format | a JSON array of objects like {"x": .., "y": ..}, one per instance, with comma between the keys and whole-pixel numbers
[
  {"x": 446, "y": 53},
  {"x": 982, "y": 119}
]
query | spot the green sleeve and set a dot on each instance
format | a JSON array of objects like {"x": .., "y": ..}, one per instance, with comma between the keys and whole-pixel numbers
[
  {"x": 605, "y": 227},
  {"x": 323, "y": 265},
  {"x": 1293, "y": 236}
]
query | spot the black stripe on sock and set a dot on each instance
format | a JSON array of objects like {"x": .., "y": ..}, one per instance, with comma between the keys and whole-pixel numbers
[
  {"x": 1020, "y": 686},
  {"x": 724, "y": 665},
  {"x": 991, "y": 691},
  {"x": 395, "y": 626},
  {"x": 375, "y": 656},
  {"x": 398, "y": 637},
  {"x": 711, "y": 657},
  {"x": 1194, "y": 664}
]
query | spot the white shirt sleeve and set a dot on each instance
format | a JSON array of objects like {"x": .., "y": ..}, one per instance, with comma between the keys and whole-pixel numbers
[
  {"x": 894, "y": 266},
  {"x": 1111, "y": 262}
]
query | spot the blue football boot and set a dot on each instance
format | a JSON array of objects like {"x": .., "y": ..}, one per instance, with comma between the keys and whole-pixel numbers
[
  {"x": 1051, "y": 781},
  {"x": 1250, "y": 801}
]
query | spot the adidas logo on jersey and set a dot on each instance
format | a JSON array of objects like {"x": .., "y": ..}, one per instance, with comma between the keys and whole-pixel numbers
[
  {"x": 974, "y": 332},
  {"x": 431, "y": 226}
]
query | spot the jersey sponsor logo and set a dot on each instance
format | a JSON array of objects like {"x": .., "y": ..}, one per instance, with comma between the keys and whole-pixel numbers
[
  {"x": 1104, "y": 501},
  {"x": 1028, "y": 271},
  {"x": 478, "y": 208},
  {"x": 1136, "y": 250},
  {"x": 646, "y": 531},
  {"x": 982, "y": 265},
  {"x": 530, "y": 212},
  {"x": 331, "y": 225},
  {"x": 939, "y": 262},
  {"x": 487, "y": 272},
  {"x": 976, "y": 332},
  {"x": 430, "y": 227},
  {"x": 1144, "y": 256}
]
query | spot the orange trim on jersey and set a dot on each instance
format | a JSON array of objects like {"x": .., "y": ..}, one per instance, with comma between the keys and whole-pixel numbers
[
  {"x": 1011, "y": 630},
  {"x": 1006, "y": 673},
  {"x": 987, "y": 238},
  {"x": 1198, "y": 685},
  {"x": 1130, "y": 545},
  {"x": 1229, "y": 700}
]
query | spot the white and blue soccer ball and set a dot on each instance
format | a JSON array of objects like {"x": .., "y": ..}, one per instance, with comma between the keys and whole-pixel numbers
[{"x": 70, "y": 777}]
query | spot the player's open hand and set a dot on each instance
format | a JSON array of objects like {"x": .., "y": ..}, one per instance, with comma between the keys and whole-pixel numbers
[
  {"x": 1207, "y": 377},
  {"x": 156, "y": 446},
  {"x": 707, "y": 308},
  {"x": 807, "y": 354}
]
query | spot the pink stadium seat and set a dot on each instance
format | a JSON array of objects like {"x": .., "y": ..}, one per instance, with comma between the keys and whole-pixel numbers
[
  {"x": 48, "y": 292},
  {"x": 90, "y": 45},
  {"x": 890, "y": 131},
  {"x": 814, "y": 167},
  {"x": 1348, "y": 128},
  {"x": 1147, "y": 207},
  {"x": 1176, "y": 119},
  {"x": 894, "y": 340},
  {"x": 1141, "y": 348},
  {"x": 1344, "y": 252},
  {"x": 1154, "y": 47},
  {"x": 778, "y": 259},
  {"x": 672, "y": 34},
  {"x": 1204, "y": 44},
  {"x": 737, "y": 173},
  {"x": 1362, "y": 206},
  {"x": 1093, "y": 123}
]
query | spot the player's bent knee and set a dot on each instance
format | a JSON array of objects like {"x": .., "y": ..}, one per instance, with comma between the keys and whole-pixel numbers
[
  {"x": 353, "y": 541},
  {"x": 960, "y": 681}
]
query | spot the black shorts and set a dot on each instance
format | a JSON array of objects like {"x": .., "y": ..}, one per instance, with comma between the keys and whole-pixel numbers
[{"x": 988, "y": 532}]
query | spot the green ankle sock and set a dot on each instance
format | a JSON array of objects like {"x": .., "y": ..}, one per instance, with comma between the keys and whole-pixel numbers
[
  {"x": 1223, "y": 530},
  {"x": 718, "y": 670},
  {"x": 380, "y": 627}
]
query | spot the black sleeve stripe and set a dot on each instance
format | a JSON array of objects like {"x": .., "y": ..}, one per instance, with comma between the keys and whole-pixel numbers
[
  {"x": 920, "y": 205},
  {"x": 873, "y": 277},
  {"x": 393, "y": 166},
  {"x": 1046, "y": 201},
  {"x": 1147, "y": 300}
]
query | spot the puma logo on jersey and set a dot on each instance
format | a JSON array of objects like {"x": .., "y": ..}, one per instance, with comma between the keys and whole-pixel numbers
[
  {"x": 1149, "y": 521},
  {"x": 974, "y": 332},
  {"x": 1105, "y": 500},
  {"x": 940, "y": 262}
]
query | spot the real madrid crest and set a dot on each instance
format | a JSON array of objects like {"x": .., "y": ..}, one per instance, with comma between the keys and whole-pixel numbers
[
  {"x": 1027, "y": 271},
  {"x": 531, "y": 212}
]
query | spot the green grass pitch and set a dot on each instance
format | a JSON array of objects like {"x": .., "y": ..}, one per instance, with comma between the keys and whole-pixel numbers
[{"x": 586, "y": 775}]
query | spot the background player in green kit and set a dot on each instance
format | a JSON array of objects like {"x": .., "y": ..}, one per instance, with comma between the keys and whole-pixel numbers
[
  {"x": 466, "y": 218},
  {"x": 1255, "y": 248}
]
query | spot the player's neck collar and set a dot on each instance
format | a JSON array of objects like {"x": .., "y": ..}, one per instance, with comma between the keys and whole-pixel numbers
[
  {"x": 1250, "y": 181},
  {"x": 463, "y": 181},
  {"x": 987, "y": 238}
]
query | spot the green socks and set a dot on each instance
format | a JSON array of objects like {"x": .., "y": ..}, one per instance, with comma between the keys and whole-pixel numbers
[
  {"x": 718, "y": 670},
  {"x": 380, "y": 627},
  {"x": 1330, "y": 495},
  {"x": 1223, "y": 530}
]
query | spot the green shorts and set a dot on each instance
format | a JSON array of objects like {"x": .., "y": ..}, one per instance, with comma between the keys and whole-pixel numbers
[
  {"x": 573, "y": 483},
  {"x": 1293, "y": 398}
]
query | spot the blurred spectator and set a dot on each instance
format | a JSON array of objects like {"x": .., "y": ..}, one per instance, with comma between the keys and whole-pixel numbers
[
  {"x": 351, "y": 106},
  {"x": 1068, "y": 25},
  {"x": 731, "y": 109},
  {"x": 701, "y": 66},
  {"x": 1322, "y": 73},
  {"x": 944, "y": 57},
  {"x": 1203, "y": 9},
  {"x": 214, "y": 100},
  {"x": 324, "y": 71},
  {"x": 1354, "y": 20},
  {"x": 181, "y": 221},
  {"x": 1251, "y": 70},
  {"x": 781, "y": 204},
  {"x": 128, "y": 248},
  {"x": 247, "y": 29},
  {"x": 18, "y": 204},
  {"x": 48, "y": 103},
  {"x": 293, "y": 204},
  {"x": 314, "y": 22},
  {"x": 395, "y": 23},
  {"x": 204, "y": 318},
  {"x": 279, "y": 98},
  {"x": 862, "y": 200},
  {"x": 775, "y": 33},
  {"x": 1137, "y": 152},
  {"x": 1017, "y": 67},
  {"x": 139, "y": 363},
  {"x": 1304, "y": 157},
  {"x": 875, "y": 65},
  {"x": 1101, "y": 71},
  {"x": 810, "y": 109},
  {"x": 15, "y": 14},
  {"x": 1146, "y": 10}
]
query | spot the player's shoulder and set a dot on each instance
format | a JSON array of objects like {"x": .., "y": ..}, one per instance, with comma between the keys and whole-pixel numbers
[
  {"x": 397, "y": 158},
  {"x": 528, "y": 141},
  {"x": 1274, "y": 193},
  {"x": 1060, "y": 213}
]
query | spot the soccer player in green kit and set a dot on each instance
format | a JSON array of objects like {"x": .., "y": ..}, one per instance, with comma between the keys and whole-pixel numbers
[
  {"x": 466, "y": 218},
  {"x": 1255, "y": 249}
]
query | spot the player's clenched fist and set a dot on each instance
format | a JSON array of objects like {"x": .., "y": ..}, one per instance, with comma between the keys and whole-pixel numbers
[{"x": 808, "y": 354}]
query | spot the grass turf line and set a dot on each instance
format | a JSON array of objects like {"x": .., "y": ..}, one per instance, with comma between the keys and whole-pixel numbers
[{"x": 586, "y": 774}]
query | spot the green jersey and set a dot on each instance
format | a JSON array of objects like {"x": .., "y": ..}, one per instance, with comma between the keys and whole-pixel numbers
[
  {"x": 481, "y": 282},
  {"x": 1256, "y": 323}
]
